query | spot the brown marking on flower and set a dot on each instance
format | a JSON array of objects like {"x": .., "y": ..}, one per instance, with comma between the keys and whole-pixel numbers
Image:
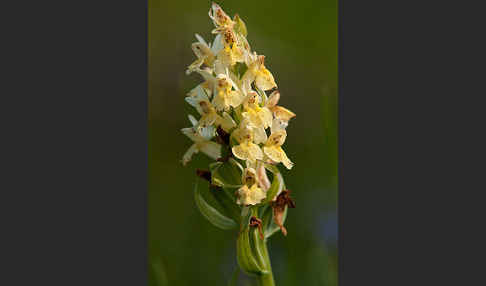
[
  {"x": 223, "y": 135},
  {"x": 283, "y": 199},
  {"x": 204, "y": 106},
  {"x": 204, "y": 174},
  {"x": 229, "y": 38},
  {"x": 255, "y": 222}
]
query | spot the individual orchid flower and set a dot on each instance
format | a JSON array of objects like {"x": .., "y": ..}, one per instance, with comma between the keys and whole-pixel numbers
[
  {"x": 199, "y": 100},
  {"x": 202, "y": 143},
  {"x": 224, "y": 94},
  {"x": 258, "y": 73},
  {"x": 273, "y": 148},
  {"x": 250, "y": 193},
  {"x": 257, "y": 115},
  {"x": 246, "y": 150},
  {"x": 202, "y": 51},
  {"x": 234, "y": 47},
  {"x": 248, "y": 130},
  {"x": 279, "y": 112}
]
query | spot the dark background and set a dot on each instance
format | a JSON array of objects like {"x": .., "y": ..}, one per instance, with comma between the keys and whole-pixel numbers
[{"x": 299, "y": 40}]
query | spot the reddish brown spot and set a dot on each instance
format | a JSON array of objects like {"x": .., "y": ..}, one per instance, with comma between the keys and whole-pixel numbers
[{"x": 255, "y": 222}]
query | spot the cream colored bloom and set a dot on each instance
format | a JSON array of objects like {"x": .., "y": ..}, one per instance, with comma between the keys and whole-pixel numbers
[
  {"x": 250, "y": 193},
  {"x": 248, "y": 131},
  {"x": 250, "y": 196},
  {"x": 273, "y": 148},
  {"x": 202, "y": 143},
  {"x": 246, "y": 150},
  {"x": 280, "y": 112},
  {"x": 224, "y": 95},
  {"x": 258, "y": 116},
  {"x": 203, "y": 51},
  {"x": 258, "y": 73},
  {"x": 199, "y": 100}
]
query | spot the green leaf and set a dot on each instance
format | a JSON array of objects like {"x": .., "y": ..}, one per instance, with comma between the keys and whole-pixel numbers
[
  {"x": 227, "y": 201},
  {"x": 258, "y": 242},
  {"x": 211, "y": 214},
  {"x": 266, "y": 214},
  {"x": 226, "y": 174},
  {"x": 244, "y": 253}
]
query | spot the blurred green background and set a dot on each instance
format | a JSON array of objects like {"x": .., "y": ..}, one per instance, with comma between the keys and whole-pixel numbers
[{"x": 299, "y": 40}]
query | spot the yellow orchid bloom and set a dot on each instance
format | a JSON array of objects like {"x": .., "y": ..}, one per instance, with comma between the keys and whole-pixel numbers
[
  {"x": 248, "y": 131},
  {"x": 199, "y": 100},
  {"x": 273, "y": 148},
  {"x": 246, "y": 150},
  {"x": 256, "y": 115},
  {"x": 224, "y": 95},
  {"x": 258, "y": 73},
  {"x": 280, "y": 112},
  {"x": 233, "y": 50},
  {"x": 250, "y": 195},
  {"x": 202, "y": 51}
]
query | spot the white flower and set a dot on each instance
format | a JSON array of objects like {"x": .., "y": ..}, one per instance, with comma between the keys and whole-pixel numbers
[{"x": 201, "y": 144}]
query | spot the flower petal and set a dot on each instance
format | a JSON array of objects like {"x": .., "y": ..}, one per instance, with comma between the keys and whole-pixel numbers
[
  {"x": 210, "y": 148},
  {"x": 283, "y": 113},
  {"x": 188, "y": 155},
  {"x": 265, "y": 80}
]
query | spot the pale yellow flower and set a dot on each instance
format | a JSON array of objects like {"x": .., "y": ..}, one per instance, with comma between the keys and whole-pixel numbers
[
  {"x": 273, "y": 148},
  {"x": 248, "y": 131},
  {"x": 260, "y": 117},
  {"x": 250, "y": 193},
  {"x": 246, "y": 150},
  {"x": 280, "y": 112},
  {"x": 234, "y": 48},
  {"x": 199, "y": 100},
  {"x": 202, "y": 51},
  {"x": 224, "y": 96},
  {"x": 250, "y": 196},
  {"x": 258, "y": 73}
]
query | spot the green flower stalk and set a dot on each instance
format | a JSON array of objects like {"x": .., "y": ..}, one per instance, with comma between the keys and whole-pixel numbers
[{"x": 243, "y": 129}]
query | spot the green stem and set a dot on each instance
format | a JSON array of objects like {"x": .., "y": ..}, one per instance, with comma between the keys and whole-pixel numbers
[{"x": 266, "y": 279}]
